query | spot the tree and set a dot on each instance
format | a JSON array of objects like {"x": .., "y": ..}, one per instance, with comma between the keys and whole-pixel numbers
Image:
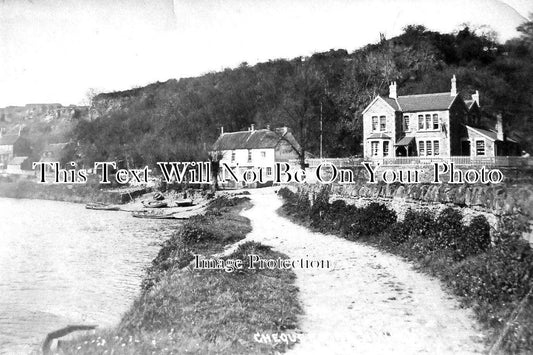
[{"x": 301, "y": 104}]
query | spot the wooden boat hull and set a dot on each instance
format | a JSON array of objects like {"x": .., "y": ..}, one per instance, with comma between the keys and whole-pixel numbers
[
  {"x": 154, "y": 204},
  {"x": 184, "y": 203},
  {"x": 101, "y": 207},
  {"x": 148, "y": 214}
]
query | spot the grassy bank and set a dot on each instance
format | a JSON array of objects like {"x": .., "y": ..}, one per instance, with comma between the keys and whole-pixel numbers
[
  {"x": 183, "y": 310},
  {"x": 495, "y": 279}
]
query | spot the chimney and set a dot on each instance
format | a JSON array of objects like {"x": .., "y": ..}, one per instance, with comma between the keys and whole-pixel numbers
[
  {"x": 453, "y": 92},
  {"x": 221, "y": 130},
  {"x": 252, "y": 127},
  {"x": 499, "y": 127},
  {"x": 475, "y": 97},
  {"x": 392, "y": 90}
]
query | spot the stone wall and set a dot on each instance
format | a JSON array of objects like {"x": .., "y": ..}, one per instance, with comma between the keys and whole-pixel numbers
[{"x": 508, "y": 208}]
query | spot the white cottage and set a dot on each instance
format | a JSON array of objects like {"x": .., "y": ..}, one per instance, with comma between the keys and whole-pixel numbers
[{"x": 260, "y": 148}]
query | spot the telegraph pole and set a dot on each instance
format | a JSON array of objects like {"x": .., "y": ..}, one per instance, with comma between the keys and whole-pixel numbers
[{"x": 321, "y": 129}]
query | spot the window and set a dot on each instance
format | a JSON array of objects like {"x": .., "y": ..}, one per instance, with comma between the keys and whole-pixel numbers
[
  {"x": 232, "y": 156},
  {"x": 428, "y": 121},
  {"x": 406, "y": 122},
  {"x": 269, "y": 171},
  {"x": 435, "y": 121},
  {"x": 436, "y": 147},
  {"x": 374, "y": 148},
  {"x": 374, "y": 123},
  {"x": 480, "y": 147},
  {"x": 249, "y": 155},
  {"x": 382, "y": 123},
  {"x": 421, "y": 147},
  {"x": 428, "y": 148},
  {"x": 263, "y": 154},
  {"x": 385, "y": 149},
  {"x": 420, "y": 121}
]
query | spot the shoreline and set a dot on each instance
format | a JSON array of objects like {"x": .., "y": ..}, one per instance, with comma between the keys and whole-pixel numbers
[
  {"x": 89, "y": 193},
  {"x": 198, "y": 311}
]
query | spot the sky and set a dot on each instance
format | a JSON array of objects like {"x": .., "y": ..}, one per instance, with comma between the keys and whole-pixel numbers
[{"x": 61, "y": 50}]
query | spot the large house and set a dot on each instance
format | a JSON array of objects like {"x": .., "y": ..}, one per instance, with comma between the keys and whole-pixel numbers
[
  {"x": 441, "y": 124},
  {"x": 256, "y": 148}
]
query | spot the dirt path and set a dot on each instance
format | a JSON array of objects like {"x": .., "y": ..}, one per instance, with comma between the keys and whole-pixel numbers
[{"x": 368, "y": 302}]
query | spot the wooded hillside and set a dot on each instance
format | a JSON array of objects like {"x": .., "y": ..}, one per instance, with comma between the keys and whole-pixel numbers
[{"x": 179, "y": 119}]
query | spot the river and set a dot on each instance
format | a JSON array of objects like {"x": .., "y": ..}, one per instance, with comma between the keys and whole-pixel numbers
[{"x": 62, "y": 264}]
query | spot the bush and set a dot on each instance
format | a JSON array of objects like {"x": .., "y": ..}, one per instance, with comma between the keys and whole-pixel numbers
[
  {"x": 319, "y": 211},
  {"x": 224, "y": 201},
  {"x": 397, "y": 233},
  {"x": 370, "y": 220},
  {"x": 476, "y": 236},
  {"x": 449, "y": 232},
  {"x": 496, "y": 282},
  {"x": 419, "y": 224}
]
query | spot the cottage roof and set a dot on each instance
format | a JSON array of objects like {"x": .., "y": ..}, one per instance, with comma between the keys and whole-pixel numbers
[
  {"x": 256, "y": 139},
  {"x": 492, "y": 135},
  {"x": 9, "y": 139}
]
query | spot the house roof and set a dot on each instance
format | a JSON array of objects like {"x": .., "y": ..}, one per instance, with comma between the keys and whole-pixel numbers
[
  {"x": 9, "y": 139},
  {"x": 256, "y": 139},
  {"x": 492, "y": 135},
  {"x": 392, "y": 103},
  {"x": 426, "y": 102},
  {"x": 378, "y": 136}
]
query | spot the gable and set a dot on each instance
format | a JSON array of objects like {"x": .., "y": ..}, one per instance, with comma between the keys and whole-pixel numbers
[{"x": 380, "y": 105}]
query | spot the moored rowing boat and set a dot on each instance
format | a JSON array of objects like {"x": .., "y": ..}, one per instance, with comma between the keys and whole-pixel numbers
[
  {"x": 101, "y": 206},
  {"x": 152, "y": 215}
]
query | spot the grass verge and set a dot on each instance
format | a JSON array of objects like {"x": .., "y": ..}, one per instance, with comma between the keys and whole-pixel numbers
[{"x": 183, "y": 310}]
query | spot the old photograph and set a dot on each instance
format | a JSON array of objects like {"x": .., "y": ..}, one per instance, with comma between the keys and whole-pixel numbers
[{"x": 347, "y": 177}]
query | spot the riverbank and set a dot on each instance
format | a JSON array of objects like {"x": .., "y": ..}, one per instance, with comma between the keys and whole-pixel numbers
[
  {"x": 494, "y": 280},
  {"x": 77, "y": 193},
  {"x": 186, "y": 310}
]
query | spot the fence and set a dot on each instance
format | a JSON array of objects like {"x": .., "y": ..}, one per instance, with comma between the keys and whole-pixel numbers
[{"x": 400, "y": 161}]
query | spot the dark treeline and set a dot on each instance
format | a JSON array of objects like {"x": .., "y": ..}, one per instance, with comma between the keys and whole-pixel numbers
[{"x": 179, "y": 120}]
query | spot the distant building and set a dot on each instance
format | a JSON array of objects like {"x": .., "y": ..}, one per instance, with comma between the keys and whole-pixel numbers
[
  {"x": 20, "y": 165},
  {"x": 440, "y": 124},
  {"x": 13, "y": 146},
  {"x": 54, "y": 152},
  {"x": 260, "y": 148}
]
